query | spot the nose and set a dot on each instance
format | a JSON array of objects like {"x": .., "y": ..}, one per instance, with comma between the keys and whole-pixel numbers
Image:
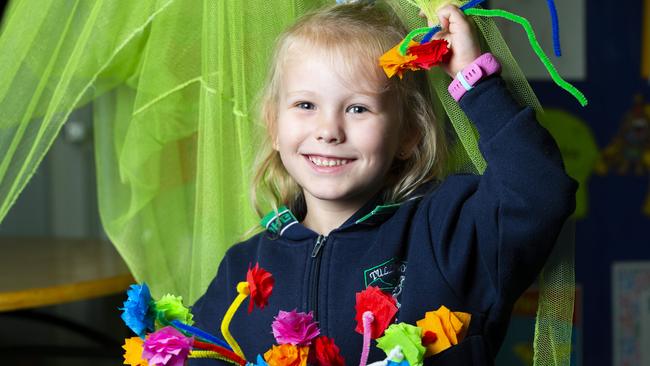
[{"x": 330, "y": 130}]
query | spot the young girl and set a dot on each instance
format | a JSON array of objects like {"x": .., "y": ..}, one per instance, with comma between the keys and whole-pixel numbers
[{"x": 358, "y": 158}]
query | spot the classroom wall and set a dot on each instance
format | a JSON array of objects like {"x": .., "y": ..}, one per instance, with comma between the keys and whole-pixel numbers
[{"x": 614, "y": 229}]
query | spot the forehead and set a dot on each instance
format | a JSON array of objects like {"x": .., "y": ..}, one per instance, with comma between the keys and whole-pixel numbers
[{"x": 358, "y": 71}]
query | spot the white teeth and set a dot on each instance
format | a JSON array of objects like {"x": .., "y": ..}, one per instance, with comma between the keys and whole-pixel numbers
[{"x": 328, "y": 162}]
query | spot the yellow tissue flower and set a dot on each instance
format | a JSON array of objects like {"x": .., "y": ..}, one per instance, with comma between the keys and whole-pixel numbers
[
  {"x": 133, "y": 352},
  {"x": 449, "y": 328}
]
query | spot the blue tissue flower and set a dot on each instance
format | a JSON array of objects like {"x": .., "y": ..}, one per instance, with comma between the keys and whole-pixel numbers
[
  {"x": 393, "y": 363},
  {"x": 137, "y": 314},
  {"x": 260, "y": 362}
]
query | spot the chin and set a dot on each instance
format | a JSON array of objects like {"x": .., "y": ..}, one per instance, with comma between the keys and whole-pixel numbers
[{"x": 336, "y": 194}]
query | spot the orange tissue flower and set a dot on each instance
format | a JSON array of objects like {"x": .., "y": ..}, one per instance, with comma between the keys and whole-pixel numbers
[
  {"x": 449, "y": 328},
  {"x": 394, "y": 63},
  {"x": 287, "y": 355},
  {"x": 133, "y": 352}
]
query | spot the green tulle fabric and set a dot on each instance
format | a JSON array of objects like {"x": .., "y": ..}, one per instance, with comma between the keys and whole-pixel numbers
[{"x": 173, "y": 86}]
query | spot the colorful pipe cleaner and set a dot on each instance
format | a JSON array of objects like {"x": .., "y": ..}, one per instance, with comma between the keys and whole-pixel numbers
[
  {"x": 401, "y": 57},
  {"x": 297, "y": 334},
  {"x": 259, "y": 285}
]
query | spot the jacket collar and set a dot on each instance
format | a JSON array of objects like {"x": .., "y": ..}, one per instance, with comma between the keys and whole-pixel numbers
[{"x": 283, "y": 223}]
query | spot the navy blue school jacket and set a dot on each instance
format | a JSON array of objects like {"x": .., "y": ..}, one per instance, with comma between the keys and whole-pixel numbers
[{"x": 472, "y": 243}]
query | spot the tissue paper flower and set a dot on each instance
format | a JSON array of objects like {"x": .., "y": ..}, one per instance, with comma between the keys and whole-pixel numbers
[
  {"x": 408, "y": 337},
  {"x": 417, "y": 57},
  {"x": 167, "y": 347},
  {"x": 136, "y": 312},
  {"x": 382, "y": 306},
  {"x": 287, "y": 355},
  {"x": 401, "y": 363},
  {"x": 260, "y": 284},
  {"x": 324, "y": 352},
  {"x": 291, "y": 327},
  {"x": 449, "y": 328},
  {"x": 260, "y": 361},
  {"x": 133, "y": 352},
  {"x": 393, "y": 62},
  {"x": 171, "y": 307},
  {"x": 430, "y": 54}
]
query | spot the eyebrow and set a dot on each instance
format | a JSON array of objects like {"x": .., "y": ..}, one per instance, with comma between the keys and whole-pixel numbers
[{"x": 299, "y": 92}]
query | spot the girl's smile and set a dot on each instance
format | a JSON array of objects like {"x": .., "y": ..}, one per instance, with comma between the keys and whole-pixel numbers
[{"x": 328, "y": 164}]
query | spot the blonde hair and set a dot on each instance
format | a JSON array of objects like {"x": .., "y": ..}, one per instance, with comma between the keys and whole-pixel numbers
[{"x": 358, "y": 34}]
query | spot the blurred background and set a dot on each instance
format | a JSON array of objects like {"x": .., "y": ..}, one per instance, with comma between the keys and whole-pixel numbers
[{"x": 606, "y": 146}]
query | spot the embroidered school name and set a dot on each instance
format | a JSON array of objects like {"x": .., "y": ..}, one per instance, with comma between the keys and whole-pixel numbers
[{"x": 387, "y": 276}]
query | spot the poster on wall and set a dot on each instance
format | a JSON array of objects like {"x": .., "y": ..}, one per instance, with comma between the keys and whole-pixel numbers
[
  {"x": 631, "y": 313},
  {"x": 571, "y": 14}
]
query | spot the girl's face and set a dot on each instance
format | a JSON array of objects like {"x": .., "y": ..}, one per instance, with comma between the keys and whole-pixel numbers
[{"x": 337, "y": 138}]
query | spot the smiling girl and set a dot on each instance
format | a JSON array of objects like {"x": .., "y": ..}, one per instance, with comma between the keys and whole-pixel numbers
[{"x": 354, "y": 163}]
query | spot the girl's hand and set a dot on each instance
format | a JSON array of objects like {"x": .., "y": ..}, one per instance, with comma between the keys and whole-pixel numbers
[{"x": 462, "y": 39}]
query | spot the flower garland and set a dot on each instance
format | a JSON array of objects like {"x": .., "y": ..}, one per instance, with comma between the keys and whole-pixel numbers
[{"x": 166, "y": 337}]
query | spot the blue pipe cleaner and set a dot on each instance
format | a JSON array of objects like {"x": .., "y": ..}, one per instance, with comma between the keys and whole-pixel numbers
[
  {"x": 427, "y": 37},
  {"x": 201, "y": 334},
  {"x": 556, "y": 28}
]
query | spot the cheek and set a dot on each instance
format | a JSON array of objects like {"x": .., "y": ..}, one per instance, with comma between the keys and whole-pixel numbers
[
  {"x": 377, "y": 143},
  {"x": 289, "y": 135}
]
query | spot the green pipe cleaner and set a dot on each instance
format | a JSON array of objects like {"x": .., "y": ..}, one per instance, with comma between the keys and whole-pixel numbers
[
  {"x": 409, "y": 37},
  {"x": 536, "y": 47}
]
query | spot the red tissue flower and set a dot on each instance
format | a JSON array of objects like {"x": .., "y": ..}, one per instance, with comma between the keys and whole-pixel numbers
[
  {"x": 325, "y": 353},
  {"x": 417, "y": 57},
  {"x": 430, "y": 54},
  {"x": 382, "y": 306},
  {"x": 260, "y": 285}
]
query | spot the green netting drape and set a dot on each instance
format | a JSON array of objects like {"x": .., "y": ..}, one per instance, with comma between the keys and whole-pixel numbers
[{"x": 174, "y": 85}]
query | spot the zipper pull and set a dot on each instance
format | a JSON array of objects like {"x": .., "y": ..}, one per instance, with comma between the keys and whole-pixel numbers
[{"x": 319, "y": 244}]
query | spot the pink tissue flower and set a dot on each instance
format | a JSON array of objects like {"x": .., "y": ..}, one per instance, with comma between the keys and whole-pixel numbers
[
  {"x": 291, "y": 327},
  {"x": 167, "y": 347}
]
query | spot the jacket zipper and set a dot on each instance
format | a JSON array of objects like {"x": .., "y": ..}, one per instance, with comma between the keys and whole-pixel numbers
[{"x": 315, "y": 274}]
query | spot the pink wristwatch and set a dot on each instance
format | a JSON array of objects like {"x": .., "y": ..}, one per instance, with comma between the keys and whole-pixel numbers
[{"x": 484, "y": 66}]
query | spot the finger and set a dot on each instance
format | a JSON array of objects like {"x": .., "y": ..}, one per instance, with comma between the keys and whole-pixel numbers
[
  {"x": 452, "y": 15},
  {"x": 443, "y": 18},
  {"x": 443, "y": 36}
]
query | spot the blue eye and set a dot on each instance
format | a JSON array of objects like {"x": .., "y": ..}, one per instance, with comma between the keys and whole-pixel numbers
[
  {"x": 305, "y": 105},
  {"x": 357, "y": 109}
]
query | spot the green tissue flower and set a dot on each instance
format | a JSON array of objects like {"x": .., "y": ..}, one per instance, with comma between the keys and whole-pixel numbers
[
  {"x": 169, "y": 308},
  {"x": 408, "y": 337}
]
